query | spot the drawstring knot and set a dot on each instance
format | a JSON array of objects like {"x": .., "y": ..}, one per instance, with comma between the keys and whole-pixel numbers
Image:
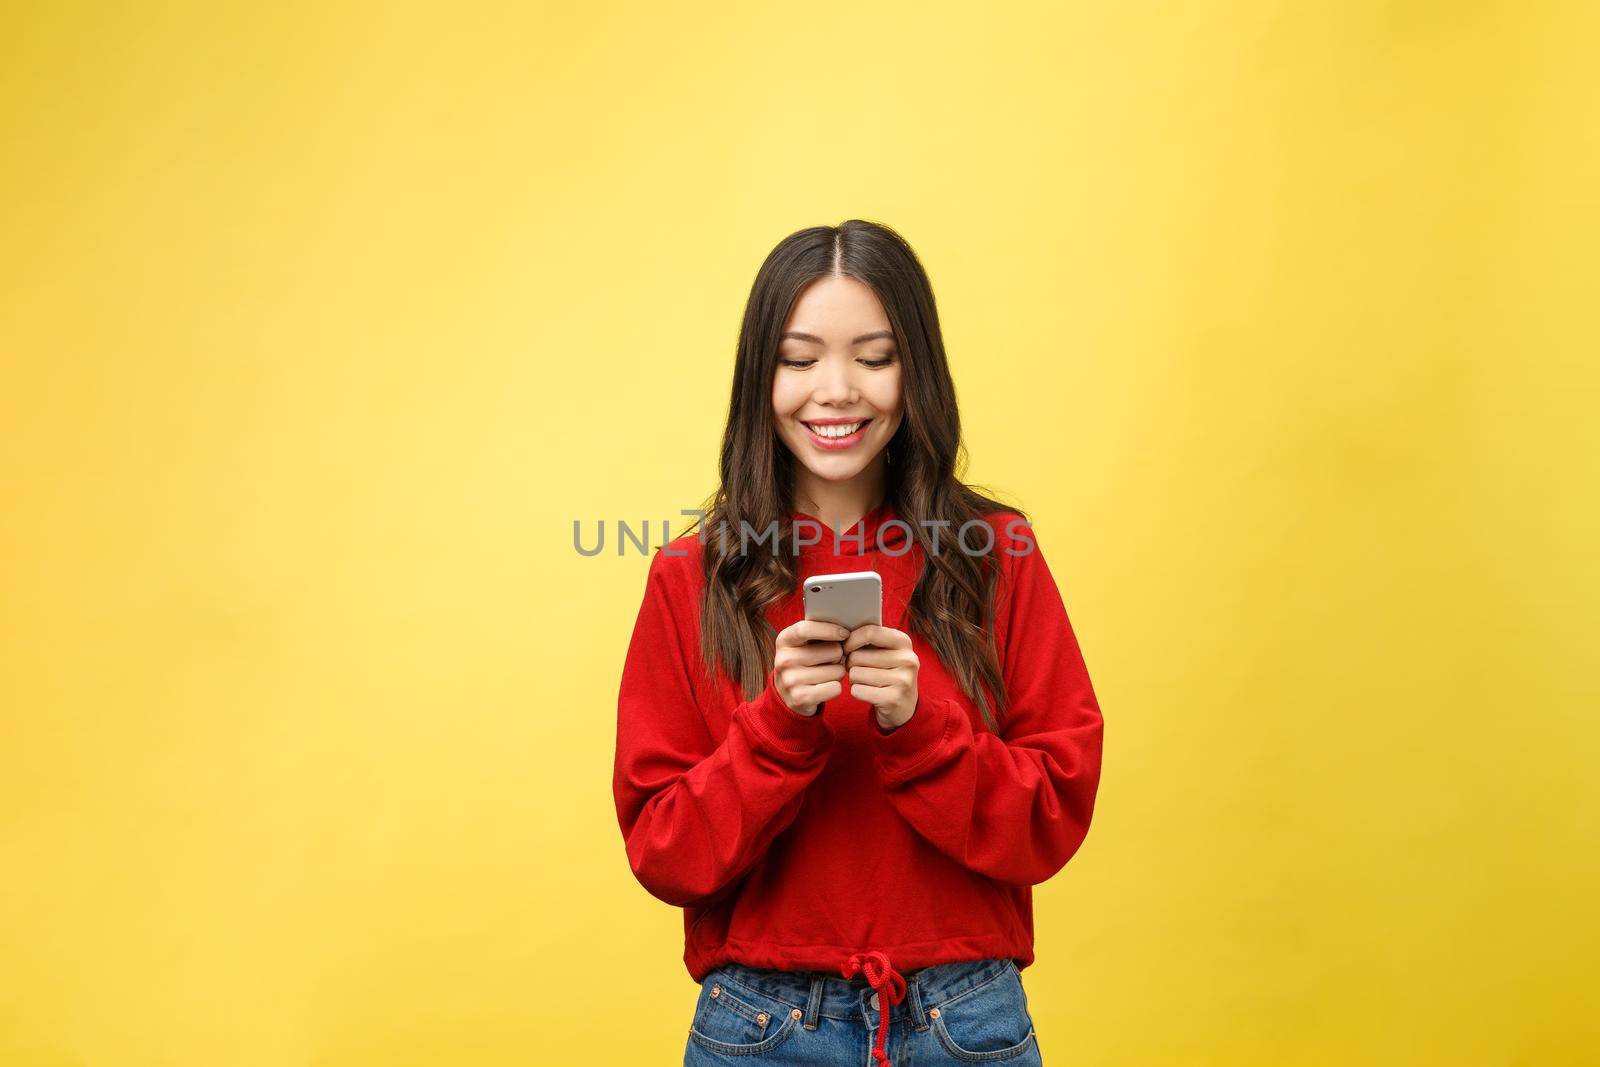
[{"x": 890, "y": 987}]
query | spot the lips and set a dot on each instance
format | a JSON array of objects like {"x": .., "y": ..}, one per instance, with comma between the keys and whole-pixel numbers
[{"x": 827, "y": 433}]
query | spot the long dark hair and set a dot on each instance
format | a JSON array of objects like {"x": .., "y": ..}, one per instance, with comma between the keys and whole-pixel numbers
[{"x": 953, "y": 605}]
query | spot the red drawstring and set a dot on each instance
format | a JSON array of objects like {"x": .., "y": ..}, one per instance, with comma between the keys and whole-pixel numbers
[{"x": 890, "y": 987}]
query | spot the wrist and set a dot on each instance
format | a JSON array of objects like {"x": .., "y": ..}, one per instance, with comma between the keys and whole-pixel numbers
[{"x": 886, "y": 730}]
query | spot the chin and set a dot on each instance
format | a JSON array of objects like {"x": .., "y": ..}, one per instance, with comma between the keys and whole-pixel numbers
[
  {"x": 840, "y": 467},
  {"x": 836, "y": 475},
  {"x": 839, "y": 471}
]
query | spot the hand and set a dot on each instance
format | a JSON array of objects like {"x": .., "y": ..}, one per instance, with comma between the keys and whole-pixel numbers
[
  {"x": 883, "y": 668},
  {"x": 808, "y": 664}
]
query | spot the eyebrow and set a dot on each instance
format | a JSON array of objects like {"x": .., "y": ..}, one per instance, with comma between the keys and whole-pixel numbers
[{"x": 863, "y": 339}]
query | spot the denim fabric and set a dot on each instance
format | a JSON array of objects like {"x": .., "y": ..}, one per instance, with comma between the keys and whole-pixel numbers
[{"x": 974, "y": 1012}]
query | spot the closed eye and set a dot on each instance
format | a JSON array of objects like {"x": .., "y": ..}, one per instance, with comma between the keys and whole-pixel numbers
[{"x": 875, "y": 364}]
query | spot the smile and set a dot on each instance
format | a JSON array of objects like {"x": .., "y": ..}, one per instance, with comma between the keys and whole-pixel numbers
[{"x": 838, "y": 435}]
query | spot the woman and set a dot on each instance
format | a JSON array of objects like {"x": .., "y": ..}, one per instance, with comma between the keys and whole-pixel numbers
[{"x": 852, "y": 820}]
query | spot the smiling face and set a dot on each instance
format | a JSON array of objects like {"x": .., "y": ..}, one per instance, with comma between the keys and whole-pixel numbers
[{"x": 836, "y": 396}]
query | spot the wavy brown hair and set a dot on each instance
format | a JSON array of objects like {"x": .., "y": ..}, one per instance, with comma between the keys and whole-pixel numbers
[{"x": 953, "y": 605}]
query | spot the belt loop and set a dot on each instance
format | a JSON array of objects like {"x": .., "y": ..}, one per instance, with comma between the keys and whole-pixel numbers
[
  {"x": 914, "y": 1000},
  {"x": 814, "y": 1004}
]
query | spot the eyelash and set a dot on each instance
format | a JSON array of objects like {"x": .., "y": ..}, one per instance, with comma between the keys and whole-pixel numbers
[{"x": 802, "y": 364}]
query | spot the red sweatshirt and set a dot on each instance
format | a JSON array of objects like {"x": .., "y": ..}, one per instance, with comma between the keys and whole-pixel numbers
[{"x": 804, "y": 843}]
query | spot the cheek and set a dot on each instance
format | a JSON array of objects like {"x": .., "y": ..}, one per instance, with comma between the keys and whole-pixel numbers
[
  {"x": 786, "y": 399},
  {"x": 885, "y": 394}
]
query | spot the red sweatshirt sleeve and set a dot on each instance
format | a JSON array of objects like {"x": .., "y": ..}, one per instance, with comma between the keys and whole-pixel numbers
[
  {"x": 1014, "y": 807},
  {"x": 697, "y": 815}
]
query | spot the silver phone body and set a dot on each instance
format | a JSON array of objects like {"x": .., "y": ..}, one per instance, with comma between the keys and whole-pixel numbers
[{"x": 851, "y": 599}]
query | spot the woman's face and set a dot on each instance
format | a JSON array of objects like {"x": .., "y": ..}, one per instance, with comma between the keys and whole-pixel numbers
[{"x": 838, "y": 368}]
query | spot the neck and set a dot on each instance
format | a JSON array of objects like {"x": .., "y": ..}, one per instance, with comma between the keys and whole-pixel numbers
[{"x": 840, "y": 503}]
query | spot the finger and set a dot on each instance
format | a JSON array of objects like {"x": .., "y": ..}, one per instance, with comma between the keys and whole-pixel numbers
[
  {"x": 809, "y": 695},
  {"x": 800, "y": 676},
  {"x": 872, "y": 694},
  {"x": 879, "y": 636},
  {"x": 870, "y": 656},
  {"x": 811, "y": 653},
  {"x": 811, "y": 630},
  {"x": 878, "y": 676}
]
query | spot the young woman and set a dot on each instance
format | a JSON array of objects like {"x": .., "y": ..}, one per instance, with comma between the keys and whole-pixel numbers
[{"x": 852, "y": 820}]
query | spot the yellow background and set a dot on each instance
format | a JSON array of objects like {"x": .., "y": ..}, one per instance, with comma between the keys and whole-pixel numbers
[{"x": 321, "y": 327}]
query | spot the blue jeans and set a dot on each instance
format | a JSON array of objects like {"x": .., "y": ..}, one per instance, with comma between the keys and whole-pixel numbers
[{"x": 975, "y": 1012}]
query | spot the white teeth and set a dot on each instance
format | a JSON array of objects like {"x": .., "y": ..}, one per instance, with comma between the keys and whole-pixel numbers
[{"x": 841, "y": 430}]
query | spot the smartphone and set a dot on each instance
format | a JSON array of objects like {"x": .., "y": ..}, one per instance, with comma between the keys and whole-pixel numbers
[{"x": 852, "y": 599}]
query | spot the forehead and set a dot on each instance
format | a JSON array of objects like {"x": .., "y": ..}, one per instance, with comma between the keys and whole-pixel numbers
[{"x": 837, "y": 309}]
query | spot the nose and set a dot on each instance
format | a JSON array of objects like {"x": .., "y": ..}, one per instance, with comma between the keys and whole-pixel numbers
[{"x": 835, "y": 383}]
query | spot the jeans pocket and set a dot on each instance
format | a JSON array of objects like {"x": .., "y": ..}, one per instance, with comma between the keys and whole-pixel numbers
[
  {"x": 988, "y": 1023},
  {"x": 738, "y": 1021}
]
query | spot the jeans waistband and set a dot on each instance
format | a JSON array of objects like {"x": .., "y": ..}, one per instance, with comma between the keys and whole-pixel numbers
[{"x": 818, "y": 993}]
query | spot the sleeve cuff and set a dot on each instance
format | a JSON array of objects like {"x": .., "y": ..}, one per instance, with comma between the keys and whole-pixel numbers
[
  {"x": 785, "y": 729},
  {"x": 903, "y": 750}
]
